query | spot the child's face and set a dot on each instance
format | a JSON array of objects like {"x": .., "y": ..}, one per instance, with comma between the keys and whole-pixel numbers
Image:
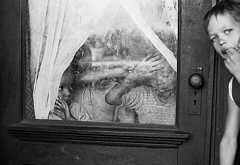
[
  {"x": 64, "y": 90},
  {"x": 224, "y": 32}
]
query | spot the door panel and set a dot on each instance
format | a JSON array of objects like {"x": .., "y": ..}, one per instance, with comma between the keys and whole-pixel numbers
[
  {"x": 193, "y": 52},
  {"x": 73, "y": 154}
]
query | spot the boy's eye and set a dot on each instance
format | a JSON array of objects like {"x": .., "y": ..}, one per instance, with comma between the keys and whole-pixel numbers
[
  {"x": 213, "y": 39},
  {"x": 227, "y": 31},
  {"x": 60, "y": 88}
]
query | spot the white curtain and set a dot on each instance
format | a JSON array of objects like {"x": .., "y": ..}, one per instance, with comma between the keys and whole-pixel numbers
[
  {"x": 133, "y": 10},
  {"x": 58, "y": 29}
]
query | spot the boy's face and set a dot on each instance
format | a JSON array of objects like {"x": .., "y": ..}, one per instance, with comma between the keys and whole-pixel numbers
[
  {"x": 224, "y": 32},
  {"x": 64, "y": 90}
]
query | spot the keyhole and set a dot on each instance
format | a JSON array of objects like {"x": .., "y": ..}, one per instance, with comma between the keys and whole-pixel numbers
[{"x": 194, "y": 102}]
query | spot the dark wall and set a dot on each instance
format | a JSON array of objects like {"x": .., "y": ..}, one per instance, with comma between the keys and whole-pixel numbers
[{"x": 9, "y": 77}]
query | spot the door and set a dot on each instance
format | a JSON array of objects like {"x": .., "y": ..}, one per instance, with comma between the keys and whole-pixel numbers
[{"x": 188, "y": 142}]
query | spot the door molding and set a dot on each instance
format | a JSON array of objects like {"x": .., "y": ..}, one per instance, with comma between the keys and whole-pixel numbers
[{"x": 104, "y": 134}]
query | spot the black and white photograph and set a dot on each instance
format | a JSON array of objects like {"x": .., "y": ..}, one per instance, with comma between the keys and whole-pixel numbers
[{"x": 120, "y": 82}]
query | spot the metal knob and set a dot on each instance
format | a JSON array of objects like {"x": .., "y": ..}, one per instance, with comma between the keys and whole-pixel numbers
[{"x": 196, "y": 81}]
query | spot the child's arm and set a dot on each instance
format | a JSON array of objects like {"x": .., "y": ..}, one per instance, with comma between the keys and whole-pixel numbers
[
  {"x": 228, "y": 144},
  {"x": 141, "y": 71}
]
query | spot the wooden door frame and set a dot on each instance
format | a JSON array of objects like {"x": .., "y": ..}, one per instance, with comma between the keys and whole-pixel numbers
[{"x": 146, "y": 136}]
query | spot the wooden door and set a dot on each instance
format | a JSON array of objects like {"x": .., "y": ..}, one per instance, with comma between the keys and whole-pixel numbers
[{"x": 189, "y": 142}]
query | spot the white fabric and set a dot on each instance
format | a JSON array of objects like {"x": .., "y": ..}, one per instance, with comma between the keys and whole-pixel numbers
[
  {"x": 58, "y": 29},
  {"x": 55, "y": 37},
  {"x": 133, "y": 10},
  {"x": 230, "y": 89}
]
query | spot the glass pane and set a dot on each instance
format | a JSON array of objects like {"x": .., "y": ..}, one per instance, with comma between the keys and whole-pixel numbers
[{"x": 124, "y": 70}]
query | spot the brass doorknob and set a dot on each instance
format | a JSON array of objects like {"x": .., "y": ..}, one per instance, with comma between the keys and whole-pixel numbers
[{"x": 196, "y": 81}]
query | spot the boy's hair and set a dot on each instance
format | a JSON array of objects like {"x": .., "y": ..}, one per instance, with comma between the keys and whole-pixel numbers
[{"x": 225, "y": 6}]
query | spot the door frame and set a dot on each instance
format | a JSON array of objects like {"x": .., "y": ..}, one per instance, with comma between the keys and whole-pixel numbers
[{"x": 191, "y": 130}]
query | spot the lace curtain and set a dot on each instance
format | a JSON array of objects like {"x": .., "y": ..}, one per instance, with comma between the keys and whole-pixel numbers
[{"x": 58, "y": 29}]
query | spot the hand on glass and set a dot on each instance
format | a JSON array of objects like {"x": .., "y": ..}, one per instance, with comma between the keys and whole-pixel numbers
[
  {"x": 62, "y": 106},
  {"x": 146, "y": 67}
]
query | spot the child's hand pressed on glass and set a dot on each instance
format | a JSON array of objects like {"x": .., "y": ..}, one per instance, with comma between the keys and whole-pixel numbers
[{"x": 146, "y": 67}]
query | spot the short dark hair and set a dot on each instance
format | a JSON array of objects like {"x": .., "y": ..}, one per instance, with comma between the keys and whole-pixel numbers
[{"x": 225, "y": 6}]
